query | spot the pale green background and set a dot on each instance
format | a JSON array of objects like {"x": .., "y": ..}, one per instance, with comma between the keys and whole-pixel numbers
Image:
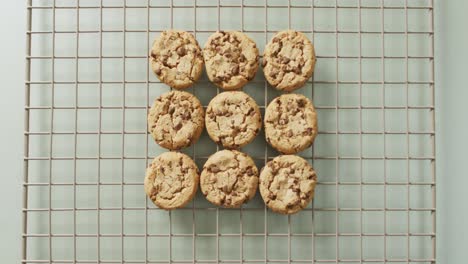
[{"x": 452, "y": 128}]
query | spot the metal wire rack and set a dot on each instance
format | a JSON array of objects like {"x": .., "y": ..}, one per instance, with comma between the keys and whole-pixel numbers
[{"x": 88, "y": 89}]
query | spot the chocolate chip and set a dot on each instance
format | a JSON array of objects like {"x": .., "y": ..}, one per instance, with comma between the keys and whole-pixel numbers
[
  {"x": 289, "y": 133},
  {"x": 242, "y": 58},
  {"x": 285, "y": 60},
  {"x": 171, "y": 110},
  {"x": 181, "y": 51},
  {"x": 249, "y": 171},
  {"x": 217, "y": 79},
  {"x": 158, "y": 71},
  {"x": 275, "y": 40},
  {"x": 178, "y": 126},
  {"x": 297, "y": 70},
  {"x": 235, "y": 70},
  {"x": 272, "y": 196},
  {"x": 211, "y": 115},
  {"x": 301, "y": 102}
]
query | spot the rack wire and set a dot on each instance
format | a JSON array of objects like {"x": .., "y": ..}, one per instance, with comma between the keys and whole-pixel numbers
[{"x": 88, "y": 89}]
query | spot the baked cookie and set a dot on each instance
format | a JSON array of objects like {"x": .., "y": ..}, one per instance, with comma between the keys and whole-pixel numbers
[
  {"x": 177, "y": 59},
  {"x": 287, "y": 184},
  {"x": 231, "y": 59},
  {"x": 171, "y": 180},
  {"x": 290, "y": 123},
  {"x": 229, "y": 178},
  {"x": 289, "y": 60},
  {"x": 233, "y": 119},
  {"x": 176, "y": 120}
]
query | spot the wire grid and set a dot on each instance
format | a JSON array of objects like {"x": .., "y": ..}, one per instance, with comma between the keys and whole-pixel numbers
[{"x": 88, "y": 88}]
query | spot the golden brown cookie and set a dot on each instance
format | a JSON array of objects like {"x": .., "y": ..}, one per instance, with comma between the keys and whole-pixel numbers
[
  {"x": 229, "y": 178},
  {"x": 171, "y": 180},
  {"x": 176, "y": 59},
  {"x": 289, "y": 60},
  {"x": 176, "y": 120},
  {"x": 231, "y": 59},
  {"x": 233, "y": 119},
  {"x": 287, "y": 184},
  {"x": 290, "y": 123}
]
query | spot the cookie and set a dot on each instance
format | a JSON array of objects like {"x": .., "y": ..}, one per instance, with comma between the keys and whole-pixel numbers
[
  {"x": 176, "y": 120},
  {"x": 171, "y": 180},
  {"x": 176, "y": 58},
  {"x": 290, "y": 123},
  {"x": 229, "y": 178},
  {"x": 287, "y": 184},
  {"x": 233, "y": 119},
  {"x": 289, "y": 60},
  {"x": 231, "y": 59}
]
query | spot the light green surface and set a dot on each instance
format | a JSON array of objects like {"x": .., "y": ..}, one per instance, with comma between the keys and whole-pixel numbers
[
  {"x": 451, "y": 65},
  {"x": 452, "y": 130}
]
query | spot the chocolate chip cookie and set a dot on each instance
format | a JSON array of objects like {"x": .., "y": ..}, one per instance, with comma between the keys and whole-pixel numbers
[
  {"x": 171, "y": 180},
  {"x": 176, "y": 58},
  {"x": 233, "y": 119},
  {"x": 231, "y": 59},
  {"x": 229, "y": 178},
  {"x": 287, "y": 184},
  {"x": 290, "y": 123},
  {"x": 289, "y": 60},
  {"x": 176, "y": 120}
]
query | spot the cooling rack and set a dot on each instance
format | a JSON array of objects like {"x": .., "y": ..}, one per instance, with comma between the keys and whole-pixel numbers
[{"x": 88, "y": 89}]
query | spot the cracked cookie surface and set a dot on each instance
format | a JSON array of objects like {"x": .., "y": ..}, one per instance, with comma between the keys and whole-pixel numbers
[
  {"x": 231, "y": 59},
  {"x": 290, "y": 123},
  {"x": 287, "y": 184},
  {"x": 289, "y": 60},
  {"x": 229, "y": 178},
  {"x": 171, "y": 180},
  {"x": 233, "y": 119},
  {"x": 176, "y": 58},
  {"x": 176, "y": 120}
]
